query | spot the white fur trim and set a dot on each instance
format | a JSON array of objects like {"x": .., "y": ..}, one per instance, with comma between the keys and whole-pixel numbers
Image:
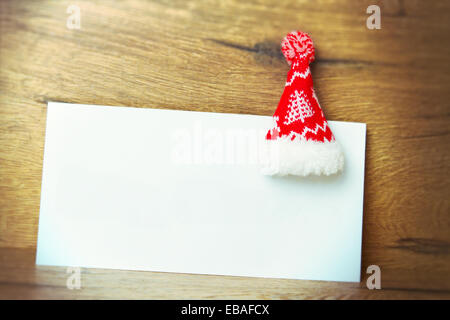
[{"x": 300, "y": 157}]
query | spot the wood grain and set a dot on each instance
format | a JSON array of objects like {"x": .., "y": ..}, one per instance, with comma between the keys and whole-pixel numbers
[{"x": 223, "y": 56}]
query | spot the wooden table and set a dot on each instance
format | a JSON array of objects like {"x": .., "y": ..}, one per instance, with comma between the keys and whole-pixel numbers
[{"x": 224, "y": 56}]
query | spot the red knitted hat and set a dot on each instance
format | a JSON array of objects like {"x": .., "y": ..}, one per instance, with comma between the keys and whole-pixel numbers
[{"x": 301, "y": 138}]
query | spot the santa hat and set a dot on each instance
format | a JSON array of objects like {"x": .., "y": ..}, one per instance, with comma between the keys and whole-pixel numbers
[{"x": 301, "y": 142}]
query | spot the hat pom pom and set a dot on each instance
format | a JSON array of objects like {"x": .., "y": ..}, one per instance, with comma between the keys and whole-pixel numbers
[{"x": 299, "y": 44}]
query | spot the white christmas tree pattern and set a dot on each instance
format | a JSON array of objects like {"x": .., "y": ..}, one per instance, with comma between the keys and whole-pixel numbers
[{"x": 299, "y": 108}]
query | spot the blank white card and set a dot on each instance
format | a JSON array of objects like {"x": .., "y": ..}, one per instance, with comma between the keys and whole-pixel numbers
[{"x": 165, "y": 190}]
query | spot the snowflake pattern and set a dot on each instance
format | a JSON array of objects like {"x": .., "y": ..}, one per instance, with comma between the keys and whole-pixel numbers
[{"x": 299, "y": 108}]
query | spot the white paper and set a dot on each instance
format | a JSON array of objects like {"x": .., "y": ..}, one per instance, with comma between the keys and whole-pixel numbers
[{"x": 115, "y": 196}]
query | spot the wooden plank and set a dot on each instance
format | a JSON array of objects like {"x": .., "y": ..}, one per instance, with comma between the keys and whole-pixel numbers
[
  {"x": 17, "y": 281},
  {"x": 223, "y": 56}
]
